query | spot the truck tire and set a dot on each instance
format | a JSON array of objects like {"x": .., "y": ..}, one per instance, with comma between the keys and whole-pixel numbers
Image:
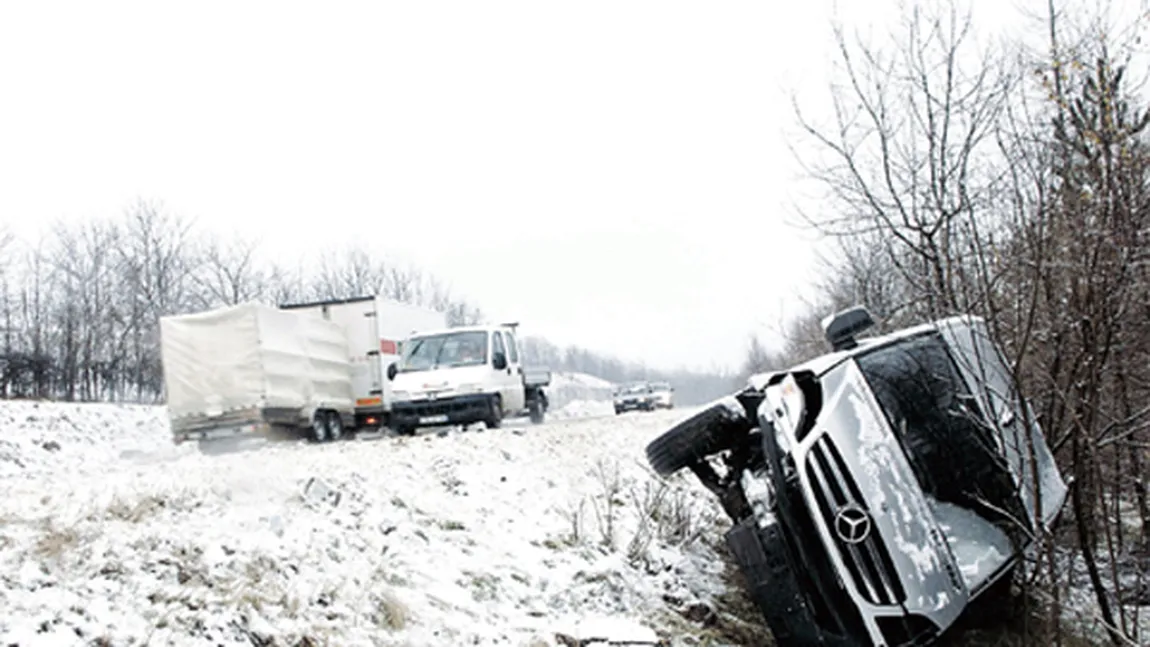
[
  {"x": 494, "y": 417},
  {"x": 712, "y": 430},
  {"x": 535, "y": 411},
  {"x": 334, "y": 426},
  {"x": 318, "y": 431}
]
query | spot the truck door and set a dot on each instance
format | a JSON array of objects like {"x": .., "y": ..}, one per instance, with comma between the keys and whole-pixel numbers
[{"x": 509, "y": 381}]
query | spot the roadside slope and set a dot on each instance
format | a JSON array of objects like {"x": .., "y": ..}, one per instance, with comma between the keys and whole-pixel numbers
[{"x": 494, "y": 537}]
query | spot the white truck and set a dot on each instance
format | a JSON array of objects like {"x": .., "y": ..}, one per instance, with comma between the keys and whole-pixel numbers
[
  {"x": 250, "y": 370},
  {"x": 459, "y": 376},
  {"x": 374, "y": 329}
]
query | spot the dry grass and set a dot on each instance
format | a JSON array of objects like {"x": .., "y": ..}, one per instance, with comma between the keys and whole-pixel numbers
[
  {"x": 390, "y": 612},
  {"x": 135, "y": 511},
  {"x": 54, "y": 541}
]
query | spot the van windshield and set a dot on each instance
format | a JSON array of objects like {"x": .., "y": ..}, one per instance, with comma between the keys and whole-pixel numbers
[
  {"x": 446, "y": 350},
  {"x": 943, "y": 431}
]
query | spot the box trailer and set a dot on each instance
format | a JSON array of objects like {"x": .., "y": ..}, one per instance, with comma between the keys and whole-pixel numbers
[
  {"x": 374, "y": 329},
  {"x": 252, "y": 369}
]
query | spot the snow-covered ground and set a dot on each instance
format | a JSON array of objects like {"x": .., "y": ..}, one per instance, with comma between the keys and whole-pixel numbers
[{"x": 110, "y": 535}]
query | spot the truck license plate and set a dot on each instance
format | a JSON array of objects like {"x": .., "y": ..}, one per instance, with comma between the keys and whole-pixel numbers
[{"x": 431, "y": 420}]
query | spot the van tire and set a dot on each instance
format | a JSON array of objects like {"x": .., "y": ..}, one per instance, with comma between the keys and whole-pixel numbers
[
  {"x": 494, "y": 417},
  {"x": 712, "y": 430}
]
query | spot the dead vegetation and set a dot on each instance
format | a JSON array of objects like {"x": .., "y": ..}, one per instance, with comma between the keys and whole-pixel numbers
[
  {"x": 390, "y": 612},
  {"x": 55, "y": 541}
]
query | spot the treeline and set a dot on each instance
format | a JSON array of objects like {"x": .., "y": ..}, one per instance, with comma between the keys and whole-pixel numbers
[
  {"x": 80, "y": 306},
  {"x": 1013, "y": 183},
  {"x": 691, "y": 387}
]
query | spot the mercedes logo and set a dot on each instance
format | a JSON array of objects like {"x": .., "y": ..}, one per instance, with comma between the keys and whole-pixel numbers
[{"x": 852, "y": 524}]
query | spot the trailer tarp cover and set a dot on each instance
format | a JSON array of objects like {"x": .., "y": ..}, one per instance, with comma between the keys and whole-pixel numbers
[{"x": 252, "y": 355}]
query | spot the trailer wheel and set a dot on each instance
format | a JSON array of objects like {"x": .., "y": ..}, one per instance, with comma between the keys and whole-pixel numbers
[
  {"x": 495, "y": 413},
  {"x": 334, "y": 426},
  {"x": 318, "y": 431}
]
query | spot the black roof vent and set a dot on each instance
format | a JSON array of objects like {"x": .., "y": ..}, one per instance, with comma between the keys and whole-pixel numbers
[{"x": 841, "y": 328}]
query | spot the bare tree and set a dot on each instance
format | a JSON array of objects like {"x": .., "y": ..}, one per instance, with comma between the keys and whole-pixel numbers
[
  {"x": 229, "y": 273},
  {"x": 158, "y": 273},
  {"x": 909, "y": 159},
  {"x": 957, "y": 188}
]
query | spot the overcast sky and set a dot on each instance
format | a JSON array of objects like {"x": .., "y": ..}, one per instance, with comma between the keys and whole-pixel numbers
[{"x": 610, "y": 174}]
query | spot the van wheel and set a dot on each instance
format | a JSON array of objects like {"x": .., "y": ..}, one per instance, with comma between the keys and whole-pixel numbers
[
  {"x": 334, "y": 426},
  {"x": 712, "y": 430},
  {"x": 318, "y": 431},
  {"x": 536, "y": 411},
  {"x": 495, "y": 413}
]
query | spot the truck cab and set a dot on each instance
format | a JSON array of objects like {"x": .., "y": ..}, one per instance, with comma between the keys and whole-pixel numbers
[{"x": 463, "y": 375}]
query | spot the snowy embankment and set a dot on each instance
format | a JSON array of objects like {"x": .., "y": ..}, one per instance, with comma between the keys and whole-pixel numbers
[
  {"x": 579, "y": 395},
  {"x": 516, "y": 536}
]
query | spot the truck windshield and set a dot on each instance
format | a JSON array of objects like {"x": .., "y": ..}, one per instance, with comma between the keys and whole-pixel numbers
[{"x": 445, "y": 350}]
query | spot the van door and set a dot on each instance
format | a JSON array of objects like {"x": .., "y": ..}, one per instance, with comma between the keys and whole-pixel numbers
[
  {"x": 508, "y": 379},
  {"x": 515, "y": 362}
]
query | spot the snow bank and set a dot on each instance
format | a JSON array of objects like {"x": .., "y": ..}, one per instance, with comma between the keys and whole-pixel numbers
[
  {"x": 496, "y": 537},
  {"x": 579, "y": 394},
  {"x": 584, "y": 409},
  {"x": 40, "y": 439}
]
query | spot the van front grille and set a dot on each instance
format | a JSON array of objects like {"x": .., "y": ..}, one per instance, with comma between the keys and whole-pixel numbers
[{"x": 864, "y": 554}]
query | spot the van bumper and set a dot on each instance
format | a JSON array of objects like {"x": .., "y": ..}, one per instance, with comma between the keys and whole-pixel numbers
[{"x": 456, "y": 410}]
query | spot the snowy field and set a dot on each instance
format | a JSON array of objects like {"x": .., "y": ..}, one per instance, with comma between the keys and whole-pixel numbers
[
  {"x": 110, "y": 535},
  {"x": 527, "y": 535}
]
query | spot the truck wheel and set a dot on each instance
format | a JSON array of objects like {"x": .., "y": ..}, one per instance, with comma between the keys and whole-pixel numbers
[
  {"x": 536, "y": 411},
  {"x": 712, "y": 430},
  {"x": 318, "y": 431},
  {"x": 334, "y": 426},
  {"x": 495, "y": 413}
]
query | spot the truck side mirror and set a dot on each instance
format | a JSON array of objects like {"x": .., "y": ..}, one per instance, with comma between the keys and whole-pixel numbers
[
  {"x": 392, "y": 371},
  {"x": 499, "y": 361}
]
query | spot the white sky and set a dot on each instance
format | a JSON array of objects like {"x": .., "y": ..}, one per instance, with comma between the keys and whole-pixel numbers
[{"x": 611, "y": 174}]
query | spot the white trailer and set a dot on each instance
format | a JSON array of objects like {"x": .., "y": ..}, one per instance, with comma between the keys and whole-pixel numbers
[
  {"x": 375, "y": 329},
  {"x": 252, "y": 369}
]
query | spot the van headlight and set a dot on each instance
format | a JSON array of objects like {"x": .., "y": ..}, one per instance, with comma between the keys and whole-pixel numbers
[
  {"x": 787, "y": 406},
  {"x": 400, "y": 395},
  {"x": 467, "y": 389}
]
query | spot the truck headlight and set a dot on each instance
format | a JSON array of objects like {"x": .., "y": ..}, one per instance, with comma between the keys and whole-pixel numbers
[
  {"x": 400, "y": 395},
  {"x": 469, "y": 388}
]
